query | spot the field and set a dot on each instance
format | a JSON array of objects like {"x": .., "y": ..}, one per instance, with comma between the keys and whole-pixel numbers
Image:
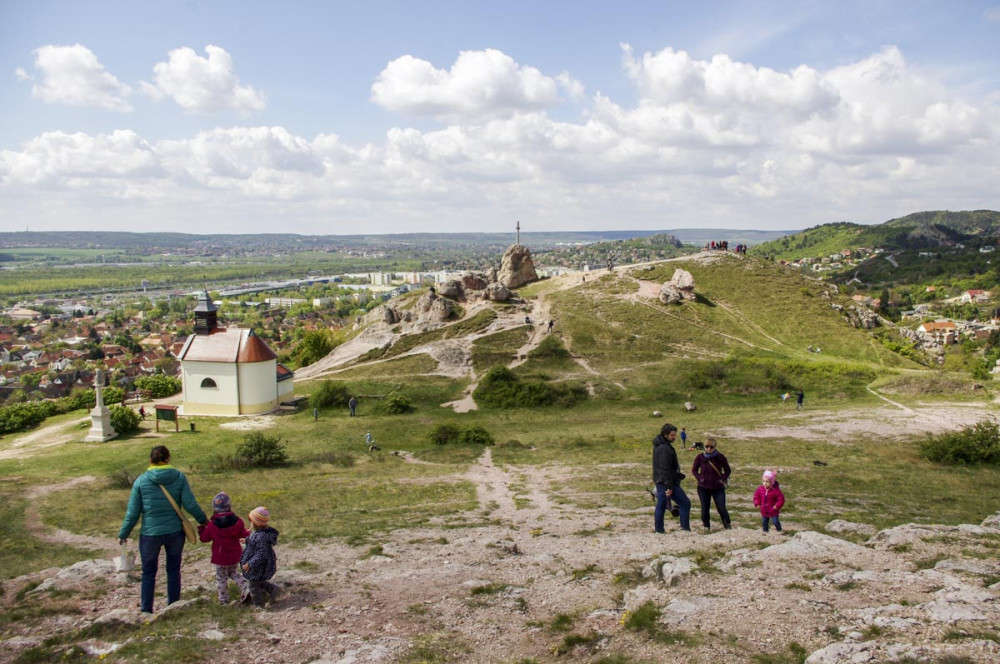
[{"x": 539, "y": 548}]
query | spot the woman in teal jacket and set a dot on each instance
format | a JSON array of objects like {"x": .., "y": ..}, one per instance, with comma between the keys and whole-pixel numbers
[{"x": 161, "y": 526}]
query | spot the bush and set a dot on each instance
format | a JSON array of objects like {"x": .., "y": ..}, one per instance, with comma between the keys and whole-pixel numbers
[
  {"x": 397, "y": 404},
  {"x": 979, "y": 443},
  {"x": 476, "y": 435},
  {"x": 501, "y": 388},
  {"x": 159, "y": 385},
  {"x": 330, "y": 394},
  {"x": 550, "y": 347},
  {"x": 259, "y": 450},
  {"x": 113, "y": 395},
  {"x": 21, "y": 416},
  {"x": 444, "y": 433},
  {"x": 123, "y": 478},
  {"x": 82, "y": 398},
  {"x": 124, "y": 419}
]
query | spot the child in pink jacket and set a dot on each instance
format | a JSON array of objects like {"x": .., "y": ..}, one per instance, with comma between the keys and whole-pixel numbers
[
  {"x": 770, "y": 500},
  {"x": 225, "y": 530}
]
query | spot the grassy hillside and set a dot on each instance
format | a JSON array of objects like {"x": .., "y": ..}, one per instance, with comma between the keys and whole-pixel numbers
[{"x": 921, "y": 230}]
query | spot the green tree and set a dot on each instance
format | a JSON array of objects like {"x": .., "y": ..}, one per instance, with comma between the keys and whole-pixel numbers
[{"x": 315, "y": 345}]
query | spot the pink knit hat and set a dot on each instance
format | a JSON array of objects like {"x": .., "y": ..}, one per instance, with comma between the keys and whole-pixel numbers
[
  {"x": 259, "y": 516},
  {"x": 769, "y": 475}
]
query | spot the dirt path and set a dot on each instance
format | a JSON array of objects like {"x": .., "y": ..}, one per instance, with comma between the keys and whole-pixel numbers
[
  {"x": 47, "y": 436},
  {"x": 33, "y": 517}
]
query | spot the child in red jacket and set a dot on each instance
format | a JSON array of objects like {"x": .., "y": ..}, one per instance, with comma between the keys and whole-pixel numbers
[
  {"x": 770, "y": 500},
  {"x": 225, "y": 530}
]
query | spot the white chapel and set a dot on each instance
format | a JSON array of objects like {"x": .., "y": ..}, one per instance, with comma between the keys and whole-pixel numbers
[{"x": 229, "y": 371}]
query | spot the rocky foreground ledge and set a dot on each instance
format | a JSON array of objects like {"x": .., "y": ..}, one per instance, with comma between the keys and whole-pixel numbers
[{"x": 913, "y": 593}]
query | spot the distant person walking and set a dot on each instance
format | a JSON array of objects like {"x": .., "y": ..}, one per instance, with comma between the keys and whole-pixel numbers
[
  {"x": 370, "y": 442},
  {"x": 353, "y": 405},
  {"x": 667, "y": 476},
  {"x": 799, "y": 398},
  {"x": 161, "y": 524},
  {"x": 684, "y": 438},
  {"x": 315, "y": 414},
  {"x": 711, "y": 470},
  {"x": 552, "y": 324},
  {"x": 142, "y": 413}
]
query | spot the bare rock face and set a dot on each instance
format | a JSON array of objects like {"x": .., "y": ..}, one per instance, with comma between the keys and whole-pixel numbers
[
  {"x": 517, "y": 268},
  {"x": 474, "y": 281},
  {"x": 497, "y": 292},
  {"x": 430, "y": 307},
  {"x": 451, "y": 289},
  {"x": 679, "y": 288}
]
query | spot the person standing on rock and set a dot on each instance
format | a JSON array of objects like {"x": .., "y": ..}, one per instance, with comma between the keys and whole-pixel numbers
[
  {"x": 667, "y": 476},
  {"x": 711, "y": 470},
  {"x": 161, "y": 524}
]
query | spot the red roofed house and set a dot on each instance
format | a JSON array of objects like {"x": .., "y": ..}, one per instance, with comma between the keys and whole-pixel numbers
[{"x": 229, "y": 371}]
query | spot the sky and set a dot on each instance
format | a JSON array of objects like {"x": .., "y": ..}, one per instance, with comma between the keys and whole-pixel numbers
[{"x": 343, "y": 117}]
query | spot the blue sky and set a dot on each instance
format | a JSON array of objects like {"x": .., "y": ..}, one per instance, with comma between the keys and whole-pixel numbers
[{"x": 380, "y": 117}]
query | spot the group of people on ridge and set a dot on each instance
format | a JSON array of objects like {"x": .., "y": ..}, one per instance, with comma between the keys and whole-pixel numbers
[
  {"x": 245, "y": 556},
  {"x": 711, "y": 471}
]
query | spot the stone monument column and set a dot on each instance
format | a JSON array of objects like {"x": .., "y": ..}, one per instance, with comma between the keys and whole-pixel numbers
[{"x": 100, "y": 417}]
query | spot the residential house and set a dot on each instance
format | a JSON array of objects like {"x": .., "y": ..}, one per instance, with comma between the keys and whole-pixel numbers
[{"x": 943, "y": 332}]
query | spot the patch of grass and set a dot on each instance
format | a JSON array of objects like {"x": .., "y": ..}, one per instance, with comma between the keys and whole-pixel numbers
[
  {"x": 793, "y": 654},
  {"x": 498, "y": 349},
  {"x": 562, "y": 622},
  {"x": 874, "y": 631},
  {"x": 584, "y": 572},
  {"x": 572, "y": 641},
  {"x": 436, "y": 648},
  {"x": 373, "y": 551},
  {"x": 805, "y": 587},
  {"x": 956, "y": 634},
  {"x": 306, "y": 566},
  {"x": 489, "y": 589},
  {"x": 646, "y": 619},
  {"x": 929, "y": 563},
  {"x": 846, "y": 586}
]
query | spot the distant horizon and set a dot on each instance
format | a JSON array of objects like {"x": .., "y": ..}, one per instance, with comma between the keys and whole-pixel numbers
[{"x": 239, "y": 116}]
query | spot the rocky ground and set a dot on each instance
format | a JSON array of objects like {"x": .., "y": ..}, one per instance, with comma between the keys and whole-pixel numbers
[{"x": 552, "y": 582}]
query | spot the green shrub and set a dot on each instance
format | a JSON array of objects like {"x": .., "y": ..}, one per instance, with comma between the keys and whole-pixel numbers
[
  {"x": 979, "y": 443},
  {"x": 124, "y": 419},
  {"x": 159, "y": 385},
  {"x": 330, "y": 394},
  {"x": 550, "y": 347},
  {"x": 21, "y": 416},
  {"x": 78, "y": 399},
  {"x": 444, "y": 433},
  {"x": 476, "y": 435},
  {"x": 501, "y": 388},
  {"x": 259, "y": 450},
  {"x": 113, "y": 395},
  {"x": 123, "y": 478},
  {"x": 397, "y": 404}
]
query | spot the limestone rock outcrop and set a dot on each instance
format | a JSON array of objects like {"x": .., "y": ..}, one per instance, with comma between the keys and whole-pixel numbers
[
  {"x": 679, "y": 288},
  {"x": 517, "y": 268}
]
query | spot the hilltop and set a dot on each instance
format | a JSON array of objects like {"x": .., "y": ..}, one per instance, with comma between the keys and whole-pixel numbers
[{"x": 923, "y": 248}]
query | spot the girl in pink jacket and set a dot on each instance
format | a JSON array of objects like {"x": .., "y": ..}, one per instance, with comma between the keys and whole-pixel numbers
[
  {"x": 225, "y": 530},
  {"x": 770, "y": 500}
]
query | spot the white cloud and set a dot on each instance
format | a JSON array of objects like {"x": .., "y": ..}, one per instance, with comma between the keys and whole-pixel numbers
[
  {"x": 203, "y": 84},
  {"x": 713, "y": 142},
  {"x": 992, "y": 14},
  {"x": 22, "y": 75},
  {"x": 481, "y": 84},
  {"x": 73, "y": 75}
]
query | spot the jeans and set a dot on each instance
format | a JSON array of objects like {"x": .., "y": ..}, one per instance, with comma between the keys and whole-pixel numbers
[
  {"x": 149, "y": 553},
  {"x": 764, "y": 523},
  {"x": 679, "y": 498},
  {"x": 706, "y": 496}
]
